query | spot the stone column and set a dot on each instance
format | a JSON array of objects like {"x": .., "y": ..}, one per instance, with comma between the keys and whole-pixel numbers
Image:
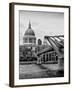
[
  {"x": 42, "y": 57},
  {"x": 48, "y": 56},
  {"x": 45, "y": 57},
  {"x": 28, "y": 39},
  {"x": 60, "y": 63}
]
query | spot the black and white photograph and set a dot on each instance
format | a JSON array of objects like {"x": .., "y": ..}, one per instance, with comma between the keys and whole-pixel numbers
[{"x": 39, "y": 44}]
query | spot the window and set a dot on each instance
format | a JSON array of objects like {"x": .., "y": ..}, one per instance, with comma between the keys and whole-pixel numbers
[
  {"x": 30, "y": 40},
  {"x": 56, "y": 58},
  {"x": 25, "y": 40},
  {"x": 44, "y": 57},
  {"x": 49, "y": 57}
]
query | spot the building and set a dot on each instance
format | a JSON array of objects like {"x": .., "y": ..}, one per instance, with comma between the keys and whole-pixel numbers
[
  {"x": 29, "y": 36},
  {"x": 28, "y": 49}
]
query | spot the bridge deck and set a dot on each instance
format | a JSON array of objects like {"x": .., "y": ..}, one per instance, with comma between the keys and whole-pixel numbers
[{"x": 39, "y": 71}]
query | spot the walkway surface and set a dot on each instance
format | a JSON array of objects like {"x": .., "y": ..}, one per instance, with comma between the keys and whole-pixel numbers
[{"x": 28, "y": 71}]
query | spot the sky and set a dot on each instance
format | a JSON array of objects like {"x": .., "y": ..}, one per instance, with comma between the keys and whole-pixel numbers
[{"x": 43, "y": 23}]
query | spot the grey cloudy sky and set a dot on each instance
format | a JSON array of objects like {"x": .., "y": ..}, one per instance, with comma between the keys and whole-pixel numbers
[{"x": 43, "y": 23}]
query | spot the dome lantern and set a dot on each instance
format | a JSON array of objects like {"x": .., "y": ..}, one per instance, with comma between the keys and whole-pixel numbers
[{"x": 29, "y": 27}]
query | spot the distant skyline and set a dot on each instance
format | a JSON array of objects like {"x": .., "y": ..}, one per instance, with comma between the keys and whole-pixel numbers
[{"x": 43, "y": 23}]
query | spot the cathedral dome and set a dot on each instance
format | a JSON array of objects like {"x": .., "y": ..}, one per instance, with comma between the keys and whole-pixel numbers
[{"x": 29, "y": 31}]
